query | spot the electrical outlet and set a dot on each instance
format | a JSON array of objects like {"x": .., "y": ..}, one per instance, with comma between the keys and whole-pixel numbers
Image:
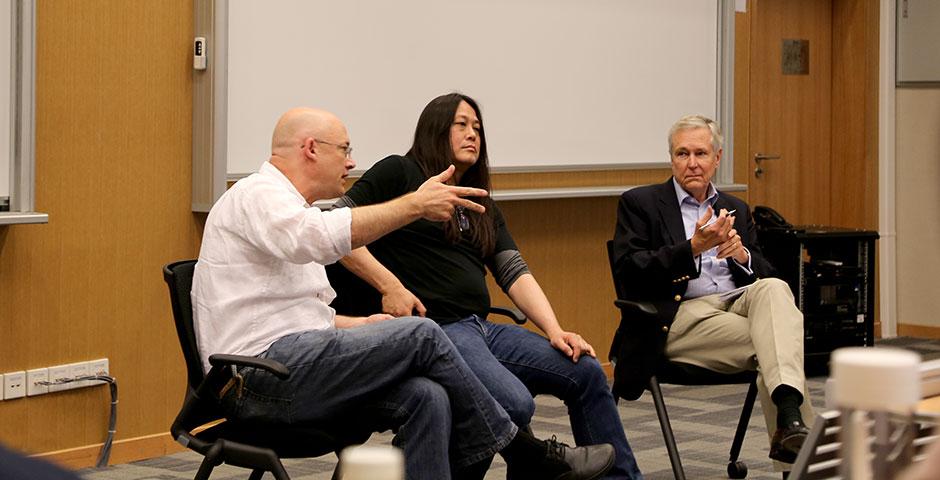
[
  {"x": 78, "y": 370},
  {"x": 1, "y": 387},
  {"x": 98, "y": 367},
  {"x": 14, "y": 385},
  {"x": 33, "y": 377},
  {"x": 57, "y": 373}
]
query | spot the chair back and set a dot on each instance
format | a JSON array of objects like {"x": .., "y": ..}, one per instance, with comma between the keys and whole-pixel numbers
[
  {"x": 354, "y": 297},
  {"x": 179, "y": 278},
  {"x": 676, "y": 373},
  {"x": 618, "y": 287}
]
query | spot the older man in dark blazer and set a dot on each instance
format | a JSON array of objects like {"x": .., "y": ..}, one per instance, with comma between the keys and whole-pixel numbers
[{"x": 689, "y": 249}]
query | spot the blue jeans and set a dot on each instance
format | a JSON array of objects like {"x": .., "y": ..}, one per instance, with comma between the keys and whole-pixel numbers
[
  {"x": 516, "y": 364},
  {"x": 401, "y": 374}
]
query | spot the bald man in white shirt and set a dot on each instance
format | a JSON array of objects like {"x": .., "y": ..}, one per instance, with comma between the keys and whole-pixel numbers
[{"x": 260, "y": 289}]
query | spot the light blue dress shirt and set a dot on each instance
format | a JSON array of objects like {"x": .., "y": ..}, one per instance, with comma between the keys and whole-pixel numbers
[{"x": 715, "y": 275}]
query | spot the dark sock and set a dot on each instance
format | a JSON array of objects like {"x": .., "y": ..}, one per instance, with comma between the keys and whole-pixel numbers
[
  {"x": 788, "y": 401},
  {"x": 473, "y": 472}
]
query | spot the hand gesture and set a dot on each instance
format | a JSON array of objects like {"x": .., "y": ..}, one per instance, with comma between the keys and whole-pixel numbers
[
  {"x": 733, "y": 248},
  {"x": 437, "y": 200},
  {"x": 710, "y": 234},
  {"x": 572, "y": 345},
  {"x": 400, "y": 302}
]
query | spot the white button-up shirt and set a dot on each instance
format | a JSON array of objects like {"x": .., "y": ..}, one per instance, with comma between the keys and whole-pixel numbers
[{"x": 260, "y": 272}]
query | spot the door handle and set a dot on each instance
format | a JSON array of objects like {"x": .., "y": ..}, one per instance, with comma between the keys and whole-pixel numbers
[{"x": 760, "y": 157}]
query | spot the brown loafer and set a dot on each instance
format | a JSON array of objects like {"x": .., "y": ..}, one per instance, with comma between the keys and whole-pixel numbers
[{"x": 787, "y": 442}]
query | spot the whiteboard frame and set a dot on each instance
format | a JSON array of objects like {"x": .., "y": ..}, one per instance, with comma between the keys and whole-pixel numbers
[{"x": 210, "y": 108}]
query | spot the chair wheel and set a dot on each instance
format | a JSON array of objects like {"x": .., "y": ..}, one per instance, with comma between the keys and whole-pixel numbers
[{"x": 737, "y": 469}]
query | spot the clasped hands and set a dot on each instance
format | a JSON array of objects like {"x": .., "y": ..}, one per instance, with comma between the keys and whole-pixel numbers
[{"x": 720, "y": 233}]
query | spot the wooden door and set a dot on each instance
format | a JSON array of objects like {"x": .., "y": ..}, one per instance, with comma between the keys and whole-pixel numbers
[{"x": 789, "y": 107}]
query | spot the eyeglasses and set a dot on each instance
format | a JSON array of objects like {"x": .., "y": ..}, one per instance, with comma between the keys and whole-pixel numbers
[
  {"x": 463, "y": 223},
  {"x": 346, "y": 149}
]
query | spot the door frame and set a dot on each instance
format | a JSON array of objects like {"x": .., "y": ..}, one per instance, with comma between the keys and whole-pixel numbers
[{"x": 887, "y": 196}]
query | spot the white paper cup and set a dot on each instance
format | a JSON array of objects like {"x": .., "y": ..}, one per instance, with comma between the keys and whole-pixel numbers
[
  {"x": 372, "y": 462},
  {"x": 876, "y": 379}
]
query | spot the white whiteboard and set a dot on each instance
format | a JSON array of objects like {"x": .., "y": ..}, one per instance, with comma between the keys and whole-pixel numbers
[{"x": 561, "y": 83}]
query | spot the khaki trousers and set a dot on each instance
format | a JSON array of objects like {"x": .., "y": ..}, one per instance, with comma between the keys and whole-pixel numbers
[{"x": 761, "y": 330}]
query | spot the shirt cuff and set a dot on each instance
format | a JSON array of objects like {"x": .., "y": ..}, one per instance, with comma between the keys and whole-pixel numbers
[{"x": 746, "y": 268}]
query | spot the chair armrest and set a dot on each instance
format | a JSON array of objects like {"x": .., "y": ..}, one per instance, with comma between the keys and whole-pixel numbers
[
  {"x": 222, "y": 360},
  {"x": 630, "y": 306},
  {"x": 512, "y": 313}
]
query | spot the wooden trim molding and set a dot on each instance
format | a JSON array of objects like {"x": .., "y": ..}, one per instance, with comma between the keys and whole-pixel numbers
[
  {"x": 122, "y": 451},
  {"x": 919, "y": 331}
]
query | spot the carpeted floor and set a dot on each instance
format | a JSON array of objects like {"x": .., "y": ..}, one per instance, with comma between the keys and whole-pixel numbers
[{"x": 699, "y": 416}]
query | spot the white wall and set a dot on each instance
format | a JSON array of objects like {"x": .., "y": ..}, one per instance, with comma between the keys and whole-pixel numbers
[{"x": 918, "y": 205}]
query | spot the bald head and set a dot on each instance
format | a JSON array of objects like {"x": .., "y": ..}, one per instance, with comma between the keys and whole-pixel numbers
[{"x": 297, "y": 124}]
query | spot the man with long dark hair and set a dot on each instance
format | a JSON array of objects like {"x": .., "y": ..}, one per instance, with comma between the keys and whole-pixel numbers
[{"x": 437, "y": 270}]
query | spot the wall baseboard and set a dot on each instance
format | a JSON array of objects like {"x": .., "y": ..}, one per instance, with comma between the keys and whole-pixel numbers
[
  {"x": 920, "y": 331},
  {"x": 122, "y": 451}
]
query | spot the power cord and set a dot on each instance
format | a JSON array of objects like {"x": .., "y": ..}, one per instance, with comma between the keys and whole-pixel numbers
[{"x": 105, "y": 452}]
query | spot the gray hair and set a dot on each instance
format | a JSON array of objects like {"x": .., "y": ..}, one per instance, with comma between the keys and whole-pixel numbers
[{"x": 697, "y": 121}]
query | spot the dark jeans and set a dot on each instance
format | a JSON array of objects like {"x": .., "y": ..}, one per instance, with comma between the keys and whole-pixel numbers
[
  {"x": 403, "y": 374},
  {"x": 516, "y": 364}
]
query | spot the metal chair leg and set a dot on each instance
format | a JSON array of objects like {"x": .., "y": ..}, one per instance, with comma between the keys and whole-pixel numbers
[
  {"x": 664, "y": 424},
  {"x": 278, "y": 471},
  {"x": 209, "y": 461},
  {"x": 743, "y": 421},
  {"x": 256, "y": 474},
  {"x": 205, "y": 469}
]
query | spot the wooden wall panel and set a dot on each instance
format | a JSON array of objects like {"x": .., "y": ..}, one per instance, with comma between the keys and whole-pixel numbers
[
  {"x": 113, "y": 143},
  {"x": 563, "y": 243},
  {"x": 854, "y": 169},
  {"x": 742, "y": 98},
  {"x": 615, "y": 178}
]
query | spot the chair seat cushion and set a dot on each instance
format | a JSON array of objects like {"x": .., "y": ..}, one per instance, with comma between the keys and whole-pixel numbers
[
  {"x": 287, "y": 441},
  {"x": 678, "y": 373}
]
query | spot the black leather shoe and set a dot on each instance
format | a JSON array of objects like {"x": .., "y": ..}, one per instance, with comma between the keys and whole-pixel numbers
[
  {"x": 585, "y": 463},
  {"x": 557, "y": 461},
  {"x": 787, "y": 442}
]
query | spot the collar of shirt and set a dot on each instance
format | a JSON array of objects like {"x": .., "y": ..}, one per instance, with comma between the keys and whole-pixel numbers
[
  {"x": 690, "y": 207},
  {"x": 269, "y": 170},
  {"x": 682, "y": 195}
]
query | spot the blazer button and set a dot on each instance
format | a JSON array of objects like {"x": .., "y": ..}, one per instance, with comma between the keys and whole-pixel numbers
[
  {"x": 665, "y": 328},
  {"x": 678, "y": 298}
]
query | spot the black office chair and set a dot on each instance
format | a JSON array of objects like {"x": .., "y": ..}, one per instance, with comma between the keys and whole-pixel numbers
[
  {"x": 677, "y": 373},
  {"x": 201, "y": 426},
  {"x": 355, "y": 297}
]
